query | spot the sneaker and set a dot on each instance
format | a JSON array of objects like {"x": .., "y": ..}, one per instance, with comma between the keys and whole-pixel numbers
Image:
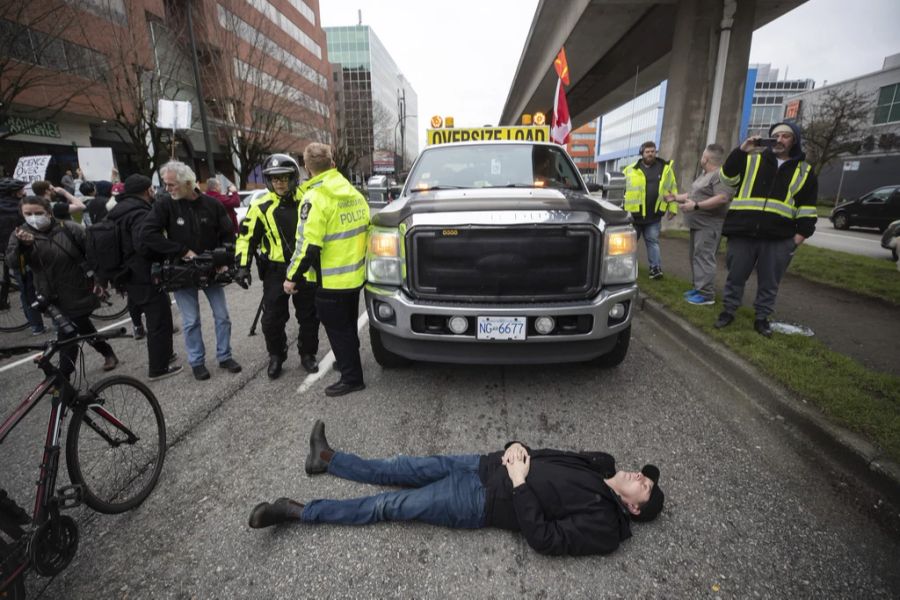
[
  {"x": 656, "y": 273},
  {"x": 37, "y": 332},
  {"x": 110, "y": 362},
  {"x": 231, "y": 365},
  {"x": 170, "y": 370},
  {"x": 690, "y": 292},
  {"x": 139, "y": 332},
  {"x": 699, "y": 300},
  {"x": 201, "y": 373}
]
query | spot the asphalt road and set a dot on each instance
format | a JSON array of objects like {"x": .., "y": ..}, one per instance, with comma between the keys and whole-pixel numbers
[
  {"x": 865, "y": 242},
  {"x": 753, "y": 508}
]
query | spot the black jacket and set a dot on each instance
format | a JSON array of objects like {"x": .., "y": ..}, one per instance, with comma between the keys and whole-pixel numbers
[
  {"x": 564, "y": 506},
  {"x": 175, "y": 226},
  {"x": 10, "y": 218},
  {"x": 771, "y": 181},
  {"x": 57, "y": 260},
  {"x": 128, "y": 215}
]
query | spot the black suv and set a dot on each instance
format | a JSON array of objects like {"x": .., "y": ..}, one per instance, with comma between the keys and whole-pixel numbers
[{"x": 878, "y": 209}]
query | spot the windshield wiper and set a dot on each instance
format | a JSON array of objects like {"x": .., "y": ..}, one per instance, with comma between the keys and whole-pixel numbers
[{"x": 438, "y": 187}]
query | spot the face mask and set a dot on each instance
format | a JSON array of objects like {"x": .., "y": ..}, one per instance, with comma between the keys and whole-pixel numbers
[{"x": 39, "y": 222}]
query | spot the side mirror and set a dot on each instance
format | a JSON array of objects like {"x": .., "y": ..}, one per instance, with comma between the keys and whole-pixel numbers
[{"x": 594, "y": 187}]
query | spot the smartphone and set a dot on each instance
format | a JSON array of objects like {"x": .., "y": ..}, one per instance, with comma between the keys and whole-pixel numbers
[{"x": 765, "y": 142}]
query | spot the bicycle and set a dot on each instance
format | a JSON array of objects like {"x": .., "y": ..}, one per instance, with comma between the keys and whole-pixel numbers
[
  {"x": 115, "y": 449},
  {"x": 113, "y": 306}
]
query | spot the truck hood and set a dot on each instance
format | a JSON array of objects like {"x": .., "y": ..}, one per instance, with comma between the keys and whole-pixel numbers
[{"x": 497, "y": 199}]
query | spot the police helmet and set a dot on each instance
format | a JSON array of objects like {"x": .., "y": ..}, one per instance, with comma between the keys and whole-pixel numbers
[
  {"x": 9, "y": 186},
  {"x": 281, "y": 164}
]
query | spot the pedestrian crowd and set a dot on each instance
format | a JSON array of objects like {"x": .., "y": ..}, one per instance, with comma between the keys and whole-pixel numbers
[
  {"x": 761, "y": 196},
  {"x": 127, "y": 237}
]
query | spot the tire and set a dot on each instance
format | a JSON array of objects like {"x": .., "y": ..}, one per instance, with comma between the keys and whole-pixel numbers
[
  {"x": 116, "y": 478},
  {"x": 841, "y": 221},
  {"x": 12, "y": 317},
  {"x": 111, "y": 308},
  {"x": 384, "y": 357},
  {"x": 614, "y": 357}
]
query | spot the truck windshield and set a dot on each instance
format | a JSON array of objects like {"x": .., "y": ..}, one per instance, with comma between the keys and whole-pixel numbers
[{"x": 493, "y": 165}]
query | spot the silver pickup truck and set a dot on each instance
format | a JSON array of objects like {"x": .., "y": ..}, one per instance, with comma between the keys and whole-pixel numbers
[{"x": 495, "y": 253}]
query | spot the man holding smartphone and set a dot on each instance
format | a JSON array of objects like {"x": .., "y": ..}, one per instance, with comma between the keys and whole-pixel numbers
[{"x": 773, "y": 212}]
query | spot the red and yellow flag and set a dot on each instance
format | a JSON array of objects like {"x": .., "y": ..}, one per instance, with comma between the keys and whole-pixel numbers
[{"x": 562, "y": 67}]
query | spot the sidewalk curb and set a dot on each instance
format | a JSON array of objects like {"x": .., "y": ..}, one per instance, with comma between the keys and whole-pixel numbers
[{"x": 846, "y": 446}]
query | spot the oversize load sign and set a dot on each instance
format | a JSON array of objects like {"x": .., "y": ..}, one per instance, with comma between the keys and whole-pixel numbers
[{"x": 488, "y": 134}]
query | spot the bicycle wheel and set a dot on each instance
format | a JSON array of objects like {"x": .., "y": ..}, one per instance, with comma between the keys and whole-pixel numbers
[
  {"x": 116, "y": 445},
  {"x": 111, "y": 308},
  {"x": 12, "y": 317}
]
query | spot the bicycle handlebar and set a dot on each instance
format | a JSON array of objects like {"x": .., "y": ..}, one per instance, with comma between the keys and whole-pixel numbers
[{"x": 55, "y": 344}]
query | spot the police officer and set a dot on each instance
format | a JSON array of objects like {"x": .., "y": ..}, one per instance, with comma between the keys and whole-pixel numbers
[
  {"x": 331, "y": 251},
  {"x": 270, "y": 226}
]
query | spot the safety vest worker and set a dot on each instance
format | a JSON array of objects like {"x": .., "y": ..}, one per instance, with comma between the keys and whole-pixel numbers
[
  {"x": 331, "y": 251},
  {"x": 649, "y": 193},
  {"x": 773, "y": 212},
  {"x": 269, "y": 228}
]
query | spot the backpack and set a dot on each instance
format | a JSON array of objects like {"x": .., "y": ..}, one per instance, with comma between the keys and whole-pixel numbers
[{"x": 105, "y": 252}]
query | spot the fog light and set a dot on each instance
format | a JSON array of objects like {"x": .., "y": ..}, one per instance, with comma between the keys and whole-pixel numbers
[
  {"x": 385, "y": 311},
  {"x": 544, "y": 325},
  {"x": 617, "y": 311},
  {"x": 457, "y": 324}
]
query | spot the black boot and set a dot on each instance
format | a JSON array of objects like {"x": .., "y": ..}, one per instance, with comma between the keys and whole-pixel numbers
[
  {"x": 763, "y": 327},
  {"x": 317, "y": 444},
  {"x": 724, "y": 320},
  {"x": 309, "y": 363},
  {"x": 281, "y": 511},
  {"x": 275, "y": 362}
]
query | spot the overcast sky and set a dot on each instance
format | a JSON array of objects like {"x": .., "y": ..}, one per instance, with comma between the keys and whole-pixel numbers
[{"x": 461, "y": 56}]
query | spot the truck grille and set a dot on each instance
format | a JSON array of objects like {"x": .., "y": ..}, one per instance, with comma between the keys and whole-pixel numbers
[{"x": 504, "y": 264}]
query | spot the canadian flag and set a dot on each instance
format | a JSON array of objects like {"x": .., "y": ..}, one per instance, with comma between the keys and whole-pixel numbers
[{"x": 562, "y": 122}]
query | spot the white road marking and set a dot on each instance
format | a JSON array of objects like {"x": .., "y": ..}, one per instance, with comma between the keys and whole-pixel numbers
[
  {"x": 328, "y": 361},
  {"x": 22, "y": 361}
]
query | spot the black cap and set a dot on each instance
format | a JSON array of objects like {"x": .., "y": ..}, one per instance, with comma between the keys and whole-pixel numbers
[
  {"x": 654, "y": 505},
  {"x": 135, "y": 184}
]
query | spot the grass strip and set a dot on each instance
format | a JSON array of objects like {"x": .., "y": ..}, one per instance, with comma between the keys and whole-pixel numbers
[
  {"x": 849, "y": 394},
  {"x": 871, "y": 277}
]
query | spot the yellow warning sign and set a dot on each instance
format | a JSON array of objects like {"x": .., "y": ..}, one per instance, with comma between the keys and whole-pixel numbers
[{"x": 488, "y": 134}]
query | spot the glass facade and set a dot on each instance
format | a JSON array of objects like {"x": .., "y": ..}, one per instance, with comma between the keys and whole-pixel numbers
[
  {"x": 623, "y": 130},
  {"x": 768, "y": 98},
  {"x": 372, "y": 88}
]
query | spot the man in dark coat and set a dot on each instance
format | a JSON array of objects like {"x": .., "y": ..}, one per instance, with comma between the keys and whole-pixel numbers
[
  {"x": 573, "y": 503},
  {"x": 128, "y": 214}
]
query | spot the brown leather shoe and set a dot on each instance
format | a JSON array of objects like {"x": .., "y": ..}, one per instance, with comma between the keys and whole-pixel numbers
[{"x": 110, "y": 363}]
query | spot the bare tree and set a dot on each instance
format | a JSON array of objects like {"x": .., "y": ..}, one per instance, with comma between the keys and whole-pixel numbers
[
  {"x": 836, "y": 125},
  {"x": 33, "y": 53},
  {"x": 143, "y": 65},
  {"x": 263, "y": 97}
]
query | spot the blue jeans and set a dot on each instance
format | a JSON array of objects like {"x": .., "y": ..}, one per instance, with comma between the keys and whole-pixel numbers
[
  {"x": 27, "y": 296},
  {"x": 650, "y": 231},
  {"x": 442, "y": 490},
  {"x": 189, "y": 306}
]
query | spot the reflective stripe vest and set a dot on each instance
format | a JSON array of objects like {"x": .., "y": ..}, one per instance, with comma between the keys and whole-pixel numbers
[
  {"x": 335, "y": 217},
  {"x": 746, "y": 200},
  {"x": 636, "y": 190},
  {"x": 259, "y": 227}
]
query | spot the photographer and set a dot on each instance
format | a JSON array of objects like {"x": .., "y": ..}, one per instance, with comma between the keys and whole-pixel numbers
[
  {"x": 128, "y": 215},
  {"x": 181, "y": 226},
  {"x": 55, "y": 252}
]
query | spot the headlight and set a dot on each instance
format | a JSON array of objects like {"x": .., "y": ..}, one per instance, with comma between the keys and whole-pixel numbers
[
  {"x": 619, "y": 255},
  {"x": 384, "y": 260}
]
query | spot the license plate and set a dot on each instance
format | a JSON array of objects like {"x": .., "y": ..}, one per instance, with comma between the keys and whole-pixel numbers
[{"x": 501, "y": 328}]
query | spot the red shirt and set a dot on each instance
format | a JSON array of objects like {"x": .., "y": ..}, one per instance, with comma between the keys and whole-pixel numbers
[{"x": 230, "y": 202}]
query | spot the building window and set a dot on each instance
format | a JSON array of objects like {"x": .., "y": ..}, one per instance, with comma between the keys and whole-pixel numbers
[
  {"x": 580, "y": 148},
  {"x": 888, "y": 108}
]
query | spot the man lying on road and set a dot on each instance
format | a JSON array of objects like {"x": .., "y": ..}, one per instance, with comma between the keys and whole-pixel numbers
[{"x": 572, "y": 503}]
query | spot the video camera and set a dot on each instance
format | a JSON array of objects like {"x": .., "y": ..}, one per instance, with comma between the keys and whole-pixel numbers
[{"x": 200, "y": 272}]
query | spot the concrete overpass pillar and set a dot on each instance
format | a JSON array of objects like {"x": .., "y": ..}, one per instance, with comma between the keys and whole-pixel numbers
[{"x": 692, "y": 67}]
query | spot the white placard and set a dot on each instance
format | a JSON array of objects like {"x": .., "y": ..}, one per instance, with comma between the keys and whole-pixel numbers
[
  {"x": 851, "y": 165},
  {"x": 96, "y": 163},
  {"x": 173, "y": 114},
  {"x": 31, "y": 168}
]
